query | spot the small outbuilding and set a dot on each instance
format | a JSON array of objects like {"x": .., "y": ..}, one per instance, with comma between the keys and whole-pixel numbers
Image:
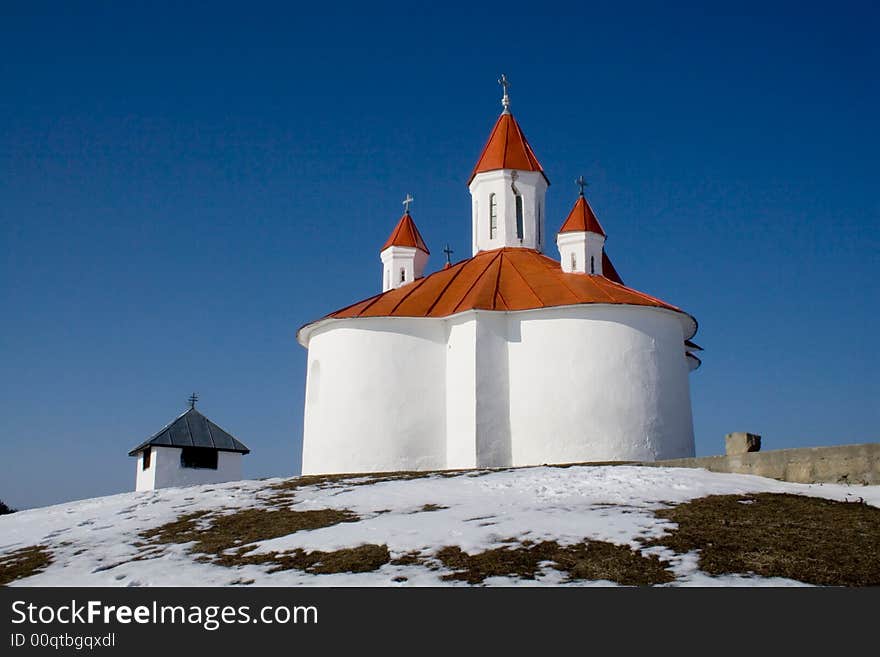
[{"x": 191, "y": 450}]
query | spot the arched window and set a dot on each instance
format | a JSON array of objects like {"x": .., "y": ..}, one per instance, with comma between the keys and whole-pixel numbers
[
  {"x": 519, "y": 217},
  {"x": 574, "y": 262},
  {"x": 402, "y": 275},
  {"x": 493, "y": 217},
  {"x": 592, "y": 265}
]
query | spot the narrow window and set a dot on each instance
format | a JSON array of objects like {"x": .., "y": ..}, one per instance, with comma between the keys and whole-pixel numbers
[
  {"x": 574, "y": 262},
  {"x": 198, "y": 457},
  {"x": 538, "y": 227},
  {"x": 402, "y": 275},
  {"x": 592, "y": 265},
  {"x": 519, "y": 217},
  {"x": 493, "y": 217},
  {"x": 146, "y": 463}
]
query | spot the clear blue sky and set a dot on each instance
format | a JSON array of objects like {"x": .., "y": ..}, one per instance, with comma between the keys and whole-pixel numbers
[{"x": 182, "y": 187}]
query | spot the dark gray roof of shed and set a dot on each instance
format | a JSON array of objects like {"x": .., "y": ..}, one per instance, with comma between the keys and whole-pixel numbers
[{"x": 192, "y": 429}]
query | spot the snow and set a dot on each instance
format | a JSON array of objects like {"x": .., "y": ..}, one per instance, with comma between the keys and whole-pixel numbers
[{"x": 93, "y": 540}]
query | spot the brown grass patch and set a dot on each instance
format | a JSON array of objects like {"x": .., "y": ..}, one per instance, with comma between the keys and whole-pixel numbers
[
  {"x": 24, "y": 563},
  {"x": 589, "y": 560},
  {"x": 233, "y": 530},
  {"x": 226, "y": 540},
  {"x": 427, "y": 508},
  {"x": 808, "y": 539},
  {"x": 360, "y": 559}
]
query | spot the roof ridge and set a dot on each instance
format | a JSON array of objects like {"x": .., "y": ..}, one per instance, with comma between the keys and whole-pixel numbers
[
  {"x": 478, "y": 278},
  {"x": 414, "y": 285},
  {"x": 210, "y": 433},
  {"x": 524, "y": 280},
  {"x": 460, "y": 268},
  {"x": 189, "y": 428}
]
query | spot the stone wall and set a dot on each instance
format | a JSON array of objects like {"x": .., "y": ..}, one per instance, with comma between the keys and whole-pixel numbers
[{"x": 854, "y": 464}]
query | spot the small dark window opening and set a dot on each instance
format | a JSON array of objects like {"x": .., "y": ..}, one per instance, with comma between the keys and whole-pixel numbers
[
  {"x": 592, "y": 264},
  {"x": 519, "y": 217},
  {"x": 403, "y": 276},
  {"x": 146, "y": 462},
  {"x": 198, "y": 457}
]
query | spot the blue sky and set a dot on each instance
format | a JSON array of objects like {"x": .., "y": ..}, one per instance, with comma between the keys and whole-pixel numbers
[{"x": 183, "y": 186}]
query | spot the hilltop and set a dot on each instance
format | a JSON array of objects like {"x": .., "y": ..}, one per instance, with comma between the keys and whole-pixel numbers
[{"x": 576, "y": 525}]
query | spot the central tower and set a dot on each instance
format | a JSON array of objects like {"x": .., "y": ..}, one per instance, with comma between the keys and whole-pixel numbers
[{"x": 507, "y": 188}]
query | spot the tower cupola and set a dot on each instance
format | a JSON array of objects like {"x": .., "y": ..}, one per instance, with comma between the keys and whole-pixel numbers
[
  {"x": 507, "y": 188},
  {"x": 581, "y": 239},
  {"x": 404, "y": 254}
]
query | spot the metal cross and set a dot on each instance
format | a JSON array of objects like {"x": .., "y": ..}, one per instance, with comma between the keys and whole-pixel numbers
[
  {"x": 580, "y": 182},
  {"x": 193, "y": 398},
  {"x": 448, "y": 253},
  {"x": 406, "y": 202},
  {"x": 505, "y": 99}
]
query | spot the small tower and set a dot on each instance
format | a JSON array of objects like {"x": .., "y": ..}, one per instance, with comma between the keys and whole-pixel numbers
[
  {"x": 507, "y": 188},
  {"x": 581, "y": 239},
  {"x": 404, "y": 254}
]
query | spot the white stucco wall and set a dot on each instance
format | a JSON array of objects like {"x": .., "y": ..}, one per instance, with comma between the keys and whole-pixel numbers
[
  {"x": 376, "y": 396},
  {"x": 580, "y": 251},
  {"x": 461, "y": 396},
  {"x": 165, "y": 470},
  {"x": 531, "y": 185},
  {"x": 397, "y": 259},
  {"x": 492, "y": 389},
  {"x": 597, "y": 383}
]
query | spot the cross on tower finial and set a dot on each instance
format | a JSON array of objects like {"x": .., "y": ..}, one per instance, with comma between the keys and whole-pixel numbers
[
  {"x": 448, "y": 251},
  {"x": 505, "y": 99},
  {"x": 406, "y": 202},
  {"x": 580, "y": 182},
  {"x": 193, "y": 398}
]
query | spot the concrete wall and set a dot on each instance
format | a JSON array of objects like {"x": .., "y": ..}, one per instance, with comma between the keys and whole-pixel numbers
[
  {"x": 165, "y": 470},
  {"x": 854, "y": 464}
]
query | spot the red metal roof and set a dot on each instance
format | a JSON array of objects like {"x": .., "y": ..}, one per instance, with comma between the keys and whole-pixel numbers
[
  {"x": 507, "y": 148},
  {"x": 405, "y": 233},
  {"x": 581, "y": 218},
  {"x": 502, "y": 279}
]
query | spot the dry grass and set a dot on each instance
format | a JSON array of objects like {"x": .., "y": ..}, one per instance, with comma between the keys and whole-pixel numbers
[
  {"x": 361, "y": 559},
  {"x": 427, "y": 508},
  {"x": 226, "y": 540},
  {"x": 214, "y": 533},
  {"x": 589, "y": 560},
  {"x": 808, "y": 539},
  {"x": 24, "y": 563}
]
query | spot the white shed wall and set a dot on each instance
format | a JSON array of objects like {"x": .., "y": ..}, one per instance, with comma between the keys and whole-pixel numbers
[{"x": 165, "y": 470}]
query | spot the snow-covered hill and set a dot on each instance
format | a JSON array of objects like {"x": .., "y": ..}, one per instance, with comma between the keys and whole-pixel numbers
[{"x": 543, "y": 525}]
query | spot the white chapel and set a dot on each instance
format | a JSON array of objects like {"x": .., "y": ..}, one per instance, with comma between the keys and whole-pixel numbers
[{"x": 511, "y": 357}]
